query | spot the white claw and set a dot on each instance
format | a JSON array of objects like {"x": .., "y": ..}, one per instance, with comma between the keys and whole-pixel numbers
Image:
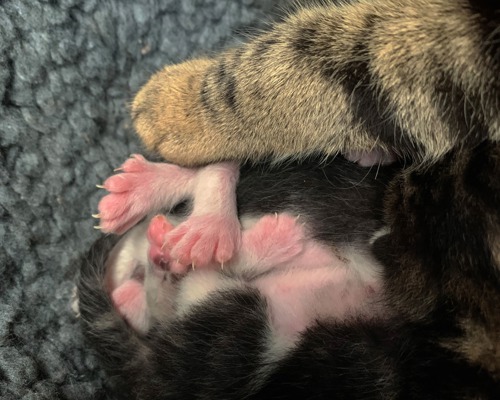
[
  {"x": 100, "y": 186},
  {"x": 96, "y": 216},
  {"x": 97, "y": 227}
]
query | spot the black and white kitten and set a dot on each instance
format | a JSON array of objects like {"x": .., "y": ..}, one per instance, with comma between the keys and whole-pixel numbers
[{"x": 431, "y": 330}]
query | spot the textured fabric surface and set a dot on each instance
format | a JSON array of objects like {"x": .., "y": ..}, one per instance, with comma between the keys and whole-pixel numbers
[{"x": 68, "y": 69}]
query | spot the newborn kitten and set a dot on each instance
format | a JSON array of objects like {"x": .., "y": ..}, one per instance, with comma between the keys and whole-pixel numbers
[
  {"x": 302, "y": 255},
  {"x": 436, "y": 237},
  {"x": 301, "y": 279}
]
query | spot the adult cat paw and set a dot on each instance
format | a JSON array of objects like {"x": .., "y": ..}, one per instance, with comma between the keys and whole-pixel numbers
[{"x": 171, "y": 120}]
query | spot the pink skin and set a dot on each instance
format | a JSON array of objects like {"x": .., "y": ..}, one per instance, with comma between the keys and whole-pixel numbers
[
  {"x": 304, "y": 280},
  {"x": 371, "y": 158},
  {"x": 130, "y": 300},
  {"x": 297, "y": 298},
  {"x": 301, "y": 280},
  {"x": 144, "y": 187},
  {"x": 212, "y": 232}
]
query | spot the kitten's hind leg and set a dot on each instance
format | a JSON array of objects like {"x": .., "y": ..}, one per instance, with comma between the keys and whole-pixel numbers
[
  {"x": 274, "y": 240},
  {"x": 130, "y": 300}
]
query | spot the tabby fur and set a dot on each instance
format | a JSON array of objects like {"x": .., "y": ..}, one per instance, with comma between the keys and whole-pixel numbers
[{"x": 416, "y": 76}]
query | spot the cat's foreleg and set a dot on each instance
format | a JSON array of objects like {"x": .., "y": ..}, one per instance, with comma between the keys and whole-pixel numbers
[{"x": 412, "y": 75}]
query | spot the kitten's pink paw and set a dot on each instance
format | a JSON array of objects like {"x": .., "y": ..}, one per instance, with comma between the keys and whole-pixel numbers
[
  {"x": 130, "y": 301},
  {"x": 133, "y": 193},
  {"x": 158, "y": 254},
  {"x": 125, "y": 205},
  {"x": 203, "y": 240},
  {"x": 276, "y": 238}
]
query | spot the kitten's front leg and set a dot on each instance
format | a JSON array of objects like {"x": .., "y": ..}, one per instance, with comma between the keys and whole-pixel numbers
[
  {"x": 212, "y": 231},
  {"x": 414, "y": 75}
]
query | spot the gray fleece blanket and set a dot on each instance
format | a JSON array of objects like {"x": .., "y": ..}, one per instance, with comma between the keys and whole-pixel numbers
[{"x": 68, "y": 70}]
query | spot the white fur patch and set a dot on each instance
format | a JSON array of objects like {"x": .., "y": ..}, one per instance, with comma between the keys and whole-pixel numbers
[
  {"x": 363, "y": 263},
  {"x": 130, "y": 251},
  {"x": 381, "y": 232},
  {"x": 198, "y": 285}
]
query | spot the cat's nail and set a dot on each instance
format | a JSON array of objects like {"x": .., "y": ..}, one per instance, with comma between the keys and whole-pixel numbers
[
  {"x": 96, "y": 216},
  {"x": 118, "y": 169},
  {"x": 100, "y": 186}
]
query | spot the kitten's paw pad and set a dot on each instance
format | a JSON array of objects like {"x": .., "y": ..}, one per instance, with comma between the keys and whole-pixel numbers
[
  {"x": 204, "y": 240},
  {"x": 130, "y": 300},
  {"x": 135, "y": 192},
  {"x": 279, "y": 237}
]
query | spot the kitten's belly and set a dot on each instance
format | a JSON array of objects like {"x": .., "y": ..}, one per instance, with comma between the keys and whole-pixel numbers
[
  {"x": 298, "y": 297},
  {"x": 319, "y": 284}
]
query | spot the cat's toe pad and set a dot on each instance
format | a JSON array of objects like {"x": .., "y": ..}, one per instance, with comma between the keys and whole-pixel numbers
[
  {"x": 278, "y": 237},
  {"x": 204, "y": 240}
]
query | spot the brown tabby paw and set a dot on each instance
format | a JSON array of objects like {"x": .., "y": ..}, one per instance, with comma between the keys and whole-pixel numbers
[{"x": 170, "y": 117}]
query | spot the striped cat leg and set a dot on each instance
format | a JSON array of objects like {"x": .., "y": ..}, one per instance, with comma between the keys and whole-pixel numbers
[{"x": 418, "y": 76}]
